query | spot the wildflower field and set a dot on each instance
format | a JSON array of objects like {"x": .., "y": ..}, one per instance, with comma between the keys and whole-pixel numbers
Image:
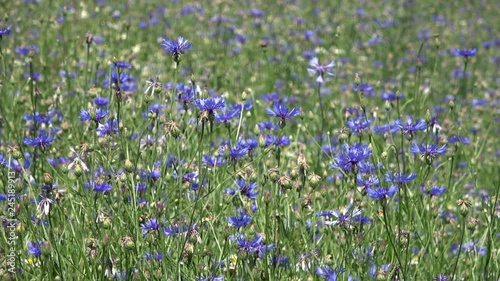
[{"x": 249, "y": 140}]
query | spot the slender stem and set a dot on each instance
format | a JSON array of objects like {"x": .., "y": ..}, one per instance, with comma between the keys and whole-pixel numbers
[
  {"x": 459, "y": 249},
  {"x": 391, "y": 242},
  {"x": 322, "y": 128}
]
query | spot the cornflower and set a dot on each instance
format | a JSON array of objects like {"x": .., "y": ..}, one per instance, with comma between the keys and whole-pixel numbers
[
  {"x": 428, "y": 151},
  {"x": 176, "y": 48},
  {"x": 281, "y": 111},
  {"x": 320, "y": 69},
  {"x": 409, "y": 128}
]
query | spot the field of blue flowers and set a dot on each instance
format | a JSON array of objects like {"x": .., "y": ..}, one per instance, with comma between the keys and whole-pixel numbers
[{"x": 249, "y": 140}]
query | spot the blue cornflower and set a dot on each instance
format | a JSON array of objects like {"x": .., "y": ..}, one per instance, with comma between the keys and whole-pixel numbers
[
  {"x": 320, "y": 69},
  {"x": 409, "y": 128},
  {"x": 212, "y": 161},
  {"x": 391, "y": 96},
  {"x": 122, "y": 82},
  {"x": 5, "y": 31},
  {"x": 175, "y": 230},
  {"x": 466, "y": 53},
  {"x": 101, "y": 101},
  {"x": 247, "y": 189},
  {"x": 397, "y": 178},
  {"x": 240, "y": 221},
  {"x": 34, "y": 248},
  {"x": 441, "y": 277},
  {"x": 358, "y": 125},
  {"x": 434, "y": 191},
  {"x": 120, "y": 64},
  {"x": 381, "y": 192},
  {"x": 102, "y": 187},
  {"x": 255, "y": 246},
  {"x": 210, "y": 104},
  {"x": 278, "y": 142},
  {"x": 226, "y": 115},
  {"x": 341, "y": 217},
  {"x": 151, "y": 226},
  {"x": 281, "y": 111},
  {"x": 370, "y": 182},
  {"x": 152, "y": 257},
  {"x": 176, "y": 48},
  {"x": 108, "y": 128},
  {"x": 238, "y": 151},
  {"x": 41, "y": 141},
  {"x": 365, "y": 89},
  {"x": 351, "y": 156},
  {"x": 268, "y": 125},
  {"x": 455, "y": 139},
  {"x": 95, "y": 115},
  {"x": 327, "y": 272},
  {"x": 428, "y": 151}
]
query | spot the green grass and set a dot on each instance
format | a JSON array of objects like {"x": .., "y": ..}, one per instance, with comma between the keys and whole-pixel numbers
[{"x": 400, "y": 47}]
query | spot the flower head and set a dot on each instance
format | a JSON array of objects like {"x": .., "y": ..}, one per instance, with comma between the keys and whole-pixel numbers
[
  {"x": 281, "y": 111},
  {"x": 176, "y": 48},
  {"x": 150, "y": 226},
  {"x": 409, "y": 128},
  {"x": 41, "y": 140},
  {"x": 466, "y": 53},
  {"x": 428, "y": 151},
  {"x": 210, "y": 104},
  {"x": 34, "y": 248},
  {"x": 5, "y": 31},
  {"x": 327, "y": 272},
  {"x": 320, "y": 69},
  {"x": 381, "y": 192},
  {"x": 240, "y": 221}
]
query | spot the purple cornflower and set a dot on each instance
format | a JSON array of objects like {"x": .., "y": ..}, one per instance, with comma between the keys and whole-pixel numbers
[
  {"x": 176, "y": 48},
  {"x": 327, "y": 272},
  {"x": 381, "y": 192},
  {"x": 409, "y": 128},
  {"x": 41, "y": 141},
  {"x": 95, "y": 115},
  {"x": 150, "y": 226},
  {"x": 210, "y": 104},
  {"x": 240, "y": 221},
  {"x": 120, "y": 64},
  {"x": 4, "y": 32},
  {"x": 351, "y": 156},
  {"x": 320, "y": 69},
  {"x": 34, "y": 248},
  {"x": 397, "y": 178},
  {"x": 466, "y": 53},
  {"x": 428, "y": 151},
  {"x": 281, "y": 111}
]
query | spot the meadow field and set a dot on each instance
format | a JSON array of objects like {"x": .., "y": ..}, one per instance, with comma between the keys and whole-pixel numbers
[{"x": 249, "y": 140}]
